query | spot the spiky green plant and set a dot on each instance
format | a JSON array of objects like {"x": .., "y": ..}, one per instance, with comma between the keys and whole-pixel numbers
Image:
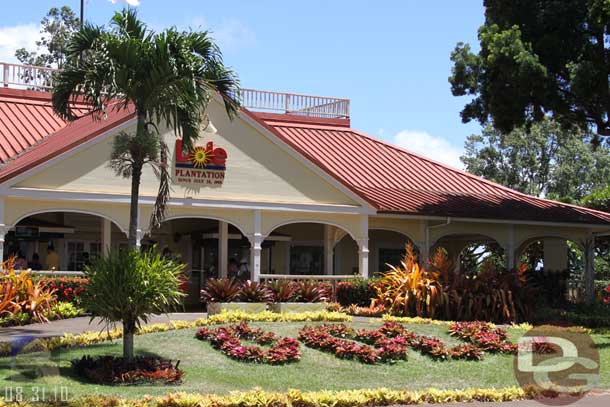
[{"x": 130, "y": 286}]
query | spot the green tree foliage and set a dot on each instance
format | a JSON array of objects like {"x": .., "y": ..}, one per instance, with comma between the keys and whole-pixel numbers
[
  {"x": 538, "y": 58},
  {"x": 544, "y": 160},
  {"x": 168, "y": 77},
  {"x": 56, "y": 29},
  {"x": 128, "y": 286}
]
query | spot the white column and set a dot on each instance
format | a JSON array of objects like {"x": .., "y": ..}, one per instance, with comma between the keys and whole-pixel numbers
[
  {"x": 363, "y": 246},
  {"x": 589, "y": 277},
  {"x": 255, "y": 250},
  {"x": 106, "y": 236},
  {"x": 223, "y": 249},
  {"x": 329, "y": 244}
]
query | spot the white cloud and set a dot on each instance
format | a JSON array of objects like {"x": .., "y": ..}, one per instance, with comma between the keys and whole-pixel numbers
[
  {"x": 424, "y": 143},
  {"x": 18, "y": 36},
  {"x": 130, "y": 2}
]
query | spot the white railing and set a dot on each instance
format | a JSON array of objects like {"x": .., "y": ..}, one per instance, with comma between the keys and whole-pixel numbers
[
  {"x": 295, "y": 104},
  {"x": 40, "y": 78},
  {"x": 52, "y": 273},
  {"x": 26, "y": 76}
]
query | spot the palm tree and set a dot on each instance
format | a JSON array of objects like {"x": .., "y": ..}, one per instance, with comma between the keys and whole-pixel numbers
[{"x": 167, "y": 77}]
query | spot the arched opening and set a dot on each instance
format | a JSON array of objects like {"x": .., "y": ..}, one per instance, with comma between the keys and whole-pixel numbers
[
  {"x": 469, "y": 252},
  {"x": 209, "y": 248},
  {"x": 75, "y": 238},
  {"x": 309, "y": 249},
  {"x": 387, "y": 247},
  {"x": 556, "y": 265}
]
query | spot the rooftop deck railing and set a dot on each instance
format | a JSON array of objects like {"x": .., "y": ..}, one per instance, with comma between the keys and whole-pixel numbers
[
  {"x": 295, "y": 104},
  {"x": 26, "y": 76},
  {"x": 39, "y": 78}
]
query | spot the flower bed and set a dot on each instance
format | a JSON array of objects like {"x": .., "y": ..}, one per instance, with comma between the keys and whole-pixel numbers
[
  {"x": 228, "y": 341},
  {"x": 390, "y": 342},
  {"x": 114, "y": 370},
  {"x": 67, "y": 289},
  {"x": 484, "y": 335},
  {"x": 324, "y": 337}
]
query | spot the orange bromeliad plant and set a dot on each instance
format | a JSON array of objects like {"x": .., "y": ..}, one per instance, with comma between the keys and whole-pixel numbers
[
  {"x": 409, "y": 289},
  {"x": 19, "y": 293}
]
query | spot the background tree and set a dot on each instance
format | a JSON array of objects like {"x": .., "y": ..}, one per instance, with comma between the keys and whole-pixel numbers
[
  {"x": 167, "y": 77},
  {"x": 150, "y": 287},
  {"x": 56, "y": 28},
  {"x": 544, "y": 160},
  {"x": 549, "y": 161},
  {"x": 538, "y": 58}
]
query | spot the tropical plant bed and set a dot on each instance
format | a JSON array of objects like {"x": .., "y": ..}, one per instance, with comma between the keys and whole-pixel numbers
[
  {"x": 115, "y": 370},
  {"x": 210, "y": 371}
]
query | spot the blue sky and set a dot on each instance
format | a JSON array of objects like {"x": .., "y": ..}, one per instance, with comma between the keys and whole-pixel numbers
[{"x": 390, "y": 57}]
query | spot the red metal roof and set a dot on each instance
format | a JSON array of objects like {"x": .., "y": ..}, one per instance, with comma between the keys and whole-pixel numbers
[
  {"x": 395, "y": 180},
  {"x": 63, "y": 140},
  {"x": 26, "y": 117},
  {"x": 391, "y": 179}
]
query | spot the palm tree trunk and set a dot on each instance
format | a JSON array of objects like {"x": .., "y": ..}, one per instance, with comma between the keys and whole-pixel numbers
[
  {"x": 129, "y": 329},
  {"x": 136, "y": 176}
]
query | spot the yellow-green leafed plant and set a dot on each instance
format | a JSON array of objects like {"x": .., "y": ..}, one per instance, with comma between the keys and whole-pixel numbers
[
  {"x": 409, "y": 289},
  {"x": 296, "y": 398}
]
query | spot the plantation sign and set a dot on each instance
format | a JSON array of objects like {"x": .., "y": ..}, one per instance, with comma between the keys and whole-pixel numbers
[{"x": 204, "y": 166}]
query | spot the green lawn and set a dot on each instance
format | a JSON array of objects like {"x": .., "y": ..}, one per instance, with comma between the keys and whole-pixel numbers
[{"x": 209, "y": 371}]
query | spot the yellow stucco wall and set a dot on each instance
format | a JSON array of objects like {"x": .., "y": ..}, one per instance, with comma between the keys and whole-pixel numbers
[
  {"x": 257, "y": 170},
  {"x": 16, "y": 209}
]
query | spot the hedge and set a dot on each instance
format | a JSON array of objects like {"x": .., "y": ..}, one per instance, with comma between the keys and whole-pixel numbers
[{"x": 297, "y": 398}]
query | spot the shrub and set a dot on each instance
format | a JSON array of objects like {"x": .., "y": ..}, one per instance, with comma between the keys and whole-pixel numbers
[
  {"x": 358, "y": 292},
  {"x": 493, "y": 294},
  {"x": 67, "y": 289},
  {"x": 113, "y": 370},
  {"x": 250, "y": 291},
  {"x": 410, "y": 290},
  {"x": 220, "y": 290},
  {"x": 129, "y": 286},
  {"x": 312, "y": 291},
  {"x": 20, "y": 294},
  {"x": 63, "y": 310},
  {"x": 283, "y": 290}
]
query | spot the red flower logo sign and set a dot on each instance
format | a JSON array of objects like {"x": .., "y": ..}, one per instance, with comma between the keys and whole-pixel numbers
[{"x": 206, "y": 157}]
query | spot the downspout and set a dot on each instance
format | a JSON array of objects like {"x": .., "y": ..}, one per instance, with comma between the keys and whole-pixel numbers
[{"x": 428, "y": 228}]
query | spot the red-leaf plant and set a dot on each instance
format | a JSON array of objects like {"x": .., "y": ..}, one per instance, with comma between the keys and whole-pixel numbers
[
  {"x": 490, "y": 339},
  {"x": 228, "y": 341}
]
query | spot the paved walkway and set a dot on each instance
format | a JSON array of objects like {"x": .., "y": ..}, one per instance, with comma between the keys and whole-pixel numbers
[
  {"x": 80, "y": 325},
  {"x": 589, "y": 401}
]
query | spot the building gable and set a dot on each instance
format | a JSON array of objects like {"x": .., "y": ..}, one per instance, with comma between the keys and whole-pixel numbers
[{"x": 255, "y": 169}]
